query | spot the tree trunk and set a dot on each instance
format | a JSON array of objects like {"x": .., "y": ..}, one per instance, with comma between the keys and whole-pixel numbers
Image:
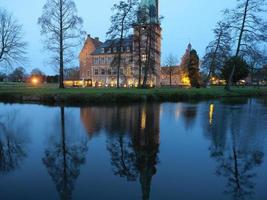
[
  {"x": 64, "y": 149},
  {"x": 212, "y": 65},
  {"x": 229, "y": 83},
  {"x": 139, "y": 57},
  {"x": 61, "y": 50}
]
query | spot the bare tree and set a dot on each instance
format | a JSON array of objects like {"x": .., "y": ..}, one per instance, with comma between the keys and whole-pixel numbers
[
  {"x": 255, "y": 58},
  {"x": 171, "y": 62},
  {"x": 248, "y": 26},
  {"x": 218, "y": 50},
  {"x": 12, "y": 46},
  {"x": 121, "y": 23},
  {"x": 63, "y": 28}
]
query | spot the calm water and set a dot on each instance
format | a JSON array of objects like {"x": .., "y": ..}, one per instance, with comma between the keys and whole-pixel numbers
[{"x": 209, "y": 150}]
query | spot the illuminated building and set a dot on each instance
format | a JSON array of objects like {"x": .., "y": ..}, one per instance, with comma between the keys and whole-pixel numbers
[{"x": 97, "y": 58}]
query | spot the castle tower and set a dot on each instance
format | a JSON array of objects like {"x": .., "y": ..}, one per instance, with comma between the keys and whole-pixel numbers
[
  {"x": 148, "y": 21},
  {"x": 152, "y": 7}
]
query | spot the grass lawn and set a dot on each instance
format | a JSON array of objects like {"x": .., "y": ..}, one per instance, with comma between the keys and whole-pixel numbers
[{"x": 49, "y": 93}]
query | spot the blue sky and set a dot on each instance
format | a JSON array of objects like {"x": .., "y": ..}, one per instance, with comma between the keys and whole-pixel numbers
[{"x": 184, "y": 21}]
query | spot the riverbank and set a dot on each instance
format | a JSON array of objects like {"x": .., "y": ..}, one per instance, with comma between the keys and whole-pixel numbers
[{"x": 50, "y": 94}]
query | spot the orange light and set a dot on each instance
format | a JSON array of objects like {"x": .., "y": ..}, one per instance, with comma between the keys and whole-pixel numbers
[{"x": 35, "y": 81}]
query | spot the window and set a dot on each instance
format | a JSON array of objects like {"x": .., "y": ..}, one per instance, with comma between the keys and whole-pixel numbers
[
  {"x": 103, "y": 71},
  {"x": 96, "y": 71},
  {"x": 88, "y": 73},
  {"x": 144, "y": 58},
  {"x": 128, "y": 49},
  {"x": 102, "y": 60},
  {"x": 109, "y": 71},
  {"x": 114, "y": 71}
]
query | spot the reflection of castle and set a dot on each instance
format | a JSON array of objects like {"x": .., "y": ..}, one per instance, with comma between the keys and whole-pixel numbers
[
  {"x": 133, "y": 139},
  {"x": 132, "y": 119}
]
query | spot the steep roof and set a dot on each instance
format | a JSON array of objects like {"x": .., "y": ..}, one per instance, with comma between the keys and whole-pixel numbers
[{"x": 113, "y": 43}]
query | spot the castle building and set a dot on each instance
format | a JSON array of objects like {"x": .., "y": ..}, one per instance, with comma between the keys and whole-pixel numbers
[{"x": 97, "y": 58}]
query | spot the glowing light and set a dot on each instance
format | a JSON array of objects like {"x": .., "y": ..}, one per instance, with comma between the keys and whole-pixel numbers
[
  {"x": 35, "y": 81},
  {"x": 211, "y": 113},
  {"x": 185, "y": 80},
  {"x": 143, "y": 120}
]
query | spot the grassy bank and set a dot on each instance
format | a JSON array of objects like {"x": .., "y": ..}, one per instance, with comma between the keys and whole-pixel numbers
[{"x": 50, "y": 94}]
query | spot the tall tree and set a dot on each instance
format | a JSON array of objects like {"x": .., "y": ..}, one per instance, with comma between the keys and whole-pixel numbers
[
  {"x": 217, "y": 51},
  {"x": 121, "y": 23},
  {"x": 242, "y": 69},
  {"x": 12, "y": 46},
  {"x": 18, "y": 74},
  {"x": 171, "y": 62},
  {"x": 248, "y": 26},
  {"x": 256, "y": 57},
  {"x": 193, "y": 69},
  {"x": 63, "y": 28}
]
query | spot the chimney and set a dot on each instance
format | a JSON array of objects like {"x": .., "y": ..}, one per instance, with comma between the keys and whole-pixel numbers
[
  {"x": 88, "y": 36},
  {"x": 97, "y": 38}
]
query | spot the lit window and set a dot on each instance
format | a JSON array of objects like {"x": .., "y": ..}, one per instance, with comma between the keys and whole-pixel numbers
[
  {"x": 96, "y": 71},
  {"x": 144, "y": 57}
]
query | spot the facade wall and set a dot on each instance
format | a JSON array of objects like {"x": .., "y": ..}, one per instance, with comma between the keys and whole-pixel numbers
[
  {"x": 85, "y": 57},
  {"x": 175, "y": 74}
]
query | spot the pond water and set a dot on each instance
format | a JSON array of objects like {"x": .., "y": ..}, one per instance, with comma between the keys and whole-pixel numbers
[{"x": 190, "y": 151}]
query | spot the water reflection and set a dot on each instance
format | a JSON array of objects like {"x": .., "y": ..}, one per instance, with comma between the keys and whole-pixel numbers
[
  {"x": 224, "y": 158},
  {"x": 133, "y": 140},
  {"x": 236, "y": 136},
  {"x": 64, "y": 156},
  {"x": 13, "y": 142}
]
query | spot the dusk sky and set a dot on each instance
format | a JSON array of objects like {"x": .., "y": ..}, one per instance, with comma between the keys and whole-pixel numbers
[{"x": 184, "y": 21}]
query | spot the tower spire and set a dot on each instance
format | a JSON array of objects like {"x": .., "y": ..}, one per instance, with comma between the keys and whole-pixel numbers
[{"x": 152, "y": 7}]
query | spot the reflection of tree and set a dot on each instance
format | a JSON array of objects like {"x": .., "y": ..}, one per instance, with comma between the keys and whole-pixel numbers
[
  {"x": 234, "y": 154},
  {"x": 136, "y": 154},
  {"x": 146, "y": 147},
  {"x": 12, "y": 143},
  {"x": 189, "y": 114},
  {"x": 122, "y": 157},
  {"x": 63, "y": 159}
]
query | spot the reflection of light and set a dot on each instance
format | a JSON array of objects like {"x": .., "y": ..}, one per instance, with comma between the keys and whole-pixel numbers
[
  {"x": 211, "y": 113},
  {"x": 143, "y": 120},
  {"x": 177, "y": 113}
]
